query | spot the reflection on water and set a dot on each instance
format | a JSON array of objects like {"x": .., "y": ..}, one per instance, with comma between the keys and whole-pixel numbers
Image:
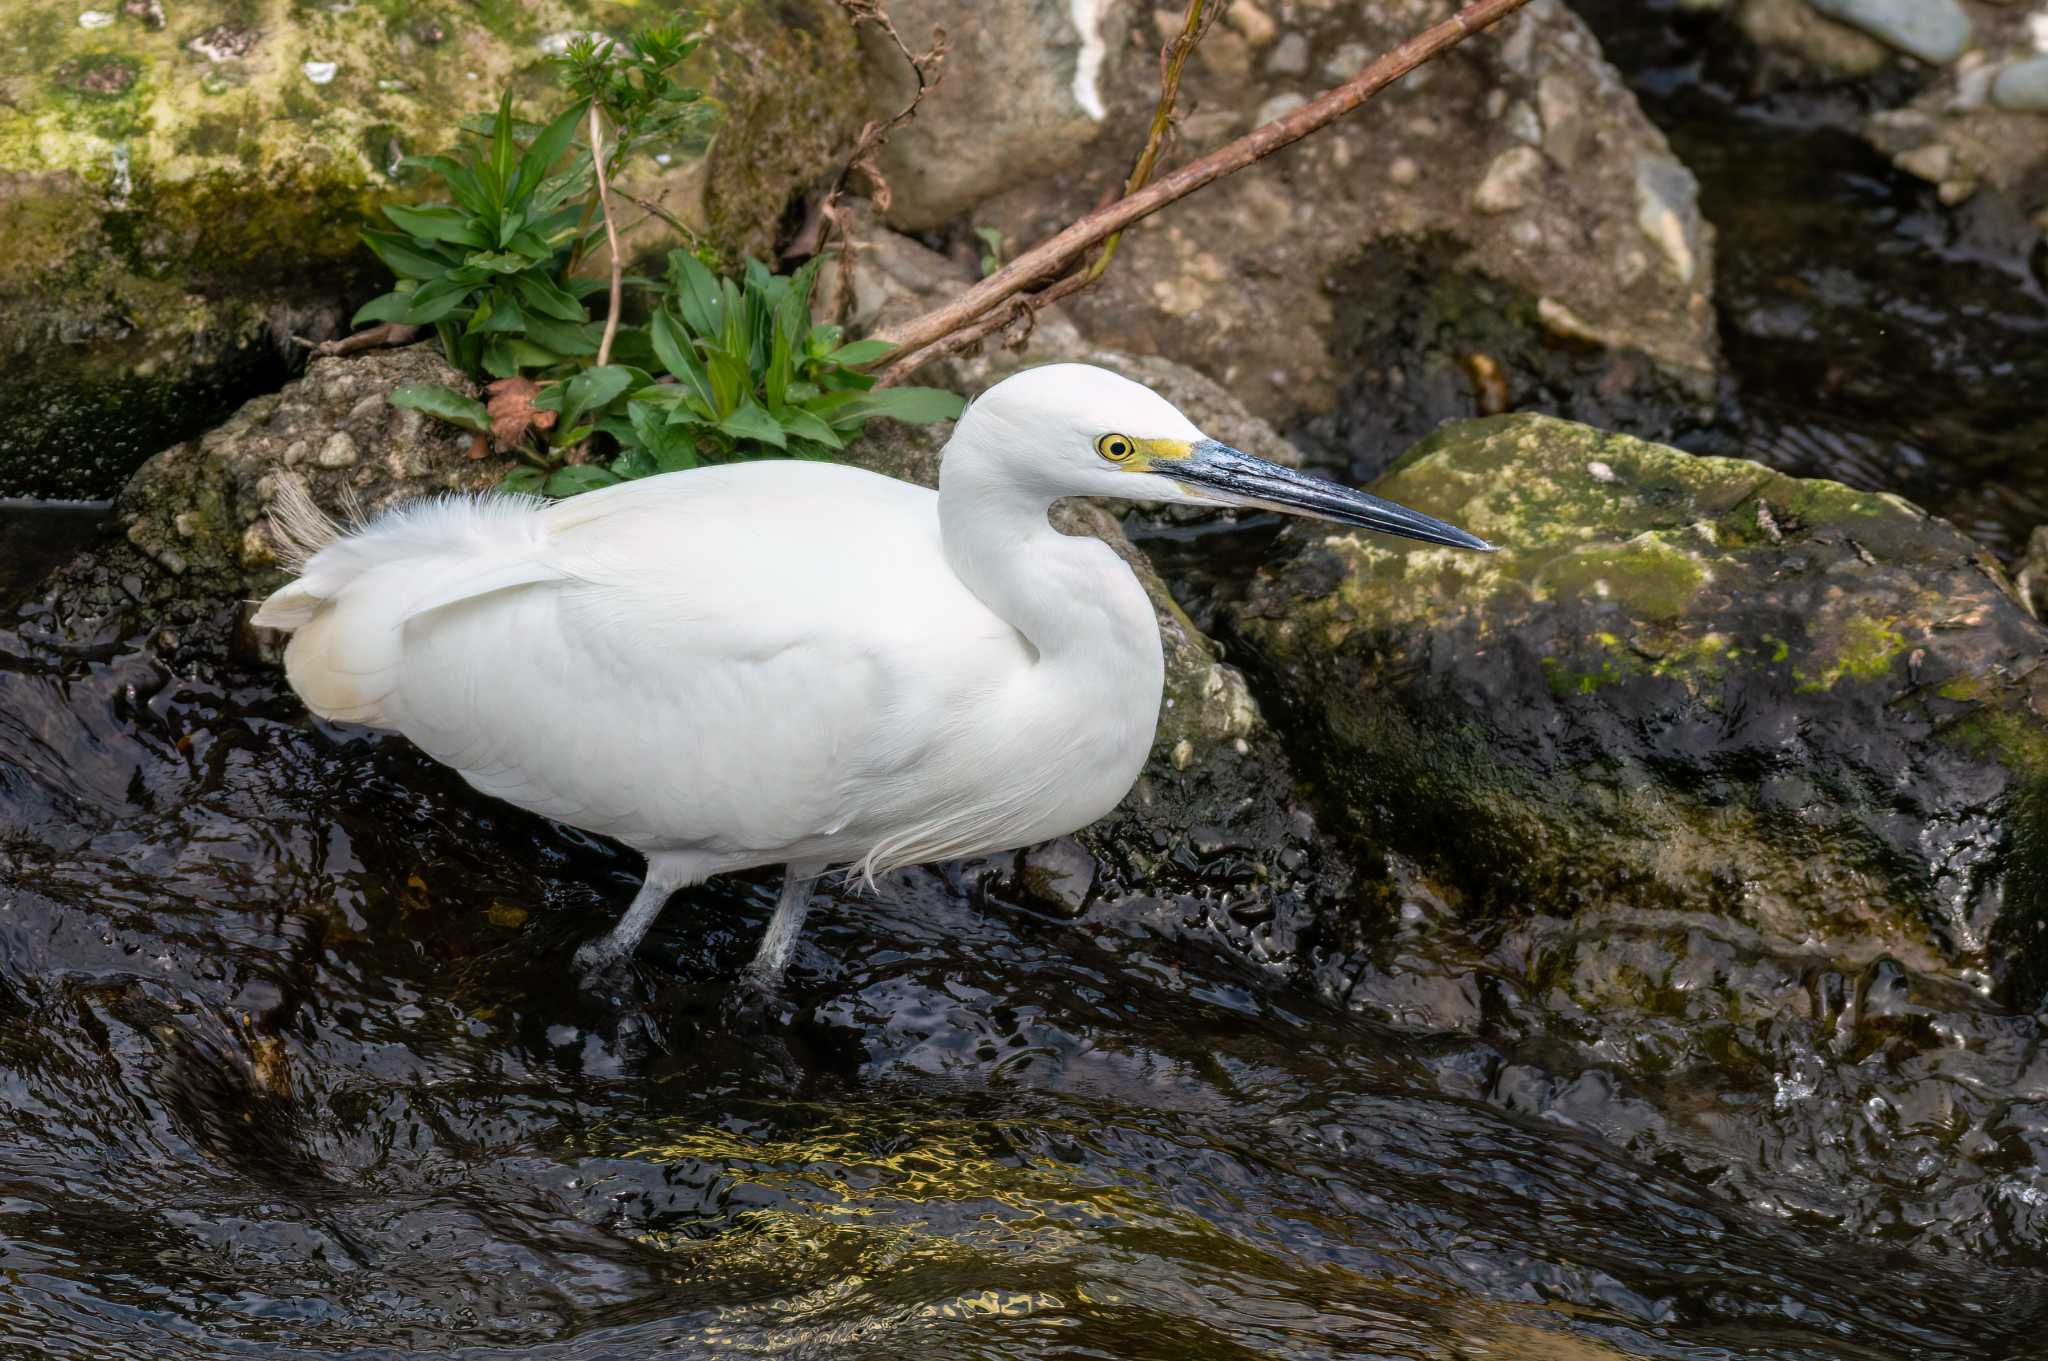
[{"x": 292, "y": 1063}]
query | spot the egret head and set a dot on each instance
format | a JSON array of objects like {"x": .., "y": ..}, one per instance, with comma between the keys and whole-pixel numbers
[{"x": 1079, "y": 430}]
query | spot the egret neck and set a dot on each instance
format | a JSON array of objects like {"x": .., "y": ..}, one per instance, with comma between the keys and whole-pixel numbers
[{"x": 1072, "y": 598}]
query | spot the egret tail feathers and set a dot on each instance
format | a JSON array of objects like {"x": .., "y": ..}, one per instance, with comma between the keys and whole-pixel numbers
[{"x": 359, "y": 585}]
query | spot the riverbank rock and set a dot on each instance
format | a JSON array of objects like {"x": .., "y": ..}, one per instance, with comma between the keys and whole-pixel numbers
[
  {"x": 1502, "y": 228},
  {"x": 1958, "y": 88},
  {"x": 181, "y": 186},
  {"x": 1021, "y": 96},
  {"x": 1685, "y": 685}
]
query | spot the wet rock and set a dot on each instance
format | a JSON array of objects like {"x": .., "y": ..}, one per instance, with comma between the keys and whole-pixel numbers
[
  {"x": 1059, "y": 874},
  {"x": 1932, "y": 30},
  {"x": 1684, "y": 684},
  {"x": 179, "y": 199},
  {"x": 1247, "y": 279},
  {"x": 1022, "y": 97}
]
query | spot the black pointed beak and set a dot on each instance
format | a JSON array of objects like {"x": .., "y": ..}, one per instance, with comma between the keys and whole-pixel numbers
[{"x": 1225, "y": 474}]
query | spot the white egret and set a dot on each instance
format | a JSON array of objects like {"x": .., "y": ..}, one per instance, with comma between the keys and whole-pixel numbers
[{"x": 789, "y": 662}]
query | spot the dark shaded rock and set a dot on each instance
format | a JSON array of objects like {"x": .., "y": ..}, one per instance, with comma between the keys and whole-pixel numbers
[{"x": 1687, "y": 685}]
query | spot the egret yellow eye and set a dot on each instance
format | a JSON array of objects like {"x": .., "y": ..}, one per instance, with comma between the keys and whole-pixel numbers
[{"x": 1115, "y": 448}]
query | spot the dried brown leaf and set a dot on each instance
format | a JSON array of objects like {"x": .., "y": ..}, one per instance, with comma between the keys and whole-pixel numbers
[{"x": 513, "y": 414}]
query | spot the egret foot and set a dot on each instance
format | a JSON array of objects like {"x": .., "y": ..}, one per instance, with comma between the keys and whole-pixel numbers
[
  {"x": 778, "y": 943},
  {"x": 613, "y": 951}
]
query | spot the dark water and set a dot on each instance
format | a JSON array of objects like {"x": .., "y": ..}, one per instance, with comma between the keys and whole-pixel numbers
[
  {"x": 1871, "y": 335},
  {"x": 292, "y": 1064}
]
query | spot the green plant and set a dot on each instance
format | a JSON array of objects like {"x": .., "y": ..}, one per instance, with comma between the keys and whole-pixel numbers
[
  {"x": 725, "y": 370},
  {"x": 991, "y": 249},
  {"x": 747, "y": 374},
  {"x": 490, "y": 271}
]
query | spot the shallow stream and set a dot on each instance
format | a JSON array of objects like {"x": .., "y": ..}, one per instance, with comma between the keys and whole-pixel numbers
[{"x": 291, "y": 1060}]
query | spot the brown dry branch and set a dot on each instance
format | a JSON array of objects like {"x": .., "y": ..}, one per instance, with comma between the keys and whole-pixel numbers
[
  {"x": 920, "y": 339},
  {"x": 391, "y": 333}
]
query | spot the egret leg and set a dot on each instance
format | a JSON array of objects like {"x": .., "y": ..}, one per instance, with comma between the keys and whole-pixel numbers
[
  {"x": 663, "y": 878},
  {"x": 779, "y": 942}
]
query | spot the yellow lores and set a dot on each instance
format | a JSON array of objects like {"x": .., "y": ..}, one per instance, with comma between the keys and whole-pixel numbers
[{"x": 1138, "y": 455}]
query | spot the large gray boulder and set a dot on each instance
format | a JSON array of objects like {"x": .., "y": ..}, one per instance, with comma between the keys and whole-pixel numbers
[{"x": 1518, "y": 164}]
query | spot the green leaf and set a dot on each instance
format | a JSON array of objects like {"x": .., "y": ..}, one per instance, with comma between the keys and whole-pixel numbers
[
  {"x": 505, "y": 356},
  {"x": 444, "y": 404},
  {"x": 671, "y": 449},
  {"x": 461, "y": 181},
  {"x": 698, "y": 299},
  {"x": 673, "y": 348},
  {"x": 917, "y": 406},
  {"x": 633, "y": 463},
  {"x": 592, "y": 389},
  {"x": 525, "y": 481},
  {"x": 498, "y": 312},
  {"x": 497, "y": 261},
  {"x": 569, "y": 439},
  {"x": 384, "y": 307},
  {"x": 578, "y": 478},
  {"x": 542, "y": 295},
  {"x": 427, "y": 307},
  {"x": 750, "y": 422},
  {"x": 731, "y": 383},
  {"x": 562, "y": 337},
  {"x": 858, "y": 353},
  {"x": 804, "y": 425},
  {"x": 509, "y": 224},
  {"x": 404, "y": 258},
  {"x": 434, "y": 223},
  {"x": 502, "y": 166},
  {"x": 545, "y": 148}
]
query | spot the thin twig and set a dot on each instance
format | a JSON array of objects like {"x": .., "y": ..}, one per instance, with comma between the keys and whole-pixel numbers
[
  {"x": 1048, "y": 258},
  {"x": 611, "y": 233},
  {"x": 928, "y": 71},
  {"x": 377, "y": 337},
  {"x": 1200, "y": 17},
  {"x": 656, "y": 210}
]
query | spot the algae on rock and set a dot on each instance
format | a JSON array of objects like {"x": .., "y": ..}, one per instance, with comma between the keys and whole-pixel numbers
[
  {"x": 1684, "y": 683},
  {"x": 179, "y": 198}
]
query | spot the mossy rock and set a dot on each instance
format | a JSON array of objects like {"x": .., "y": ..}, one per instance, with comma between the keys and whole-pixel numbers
[
  {"x": 1683, "y": 683},
  {"x": 181, "y": 186}
]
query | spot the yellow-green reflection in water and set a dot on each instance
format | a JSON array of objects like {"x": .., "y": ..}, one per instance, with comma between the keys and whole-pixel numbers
[{"x": 873, "y": 1227}]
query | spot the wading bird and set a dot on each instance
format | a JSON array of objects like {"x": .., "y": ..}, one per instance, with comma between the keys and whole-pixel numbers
[{"x": 789, "y": 662}]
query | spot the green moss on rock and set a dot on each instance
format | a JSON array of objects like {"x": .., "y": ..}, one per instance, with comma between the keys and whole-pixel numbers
[
  {"x": 178, "y": 201},
  {"x": 1688, "y": 683}
]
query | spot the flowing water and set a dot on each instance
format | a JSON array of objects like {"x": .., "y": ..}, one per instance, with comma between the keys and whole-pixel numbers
[{"x": 292, "y": 1063}]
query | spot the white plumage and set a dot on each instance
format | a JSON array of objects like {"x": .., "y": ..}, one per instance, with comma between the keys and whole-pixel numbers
[{"x": 777, "y": 662}]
